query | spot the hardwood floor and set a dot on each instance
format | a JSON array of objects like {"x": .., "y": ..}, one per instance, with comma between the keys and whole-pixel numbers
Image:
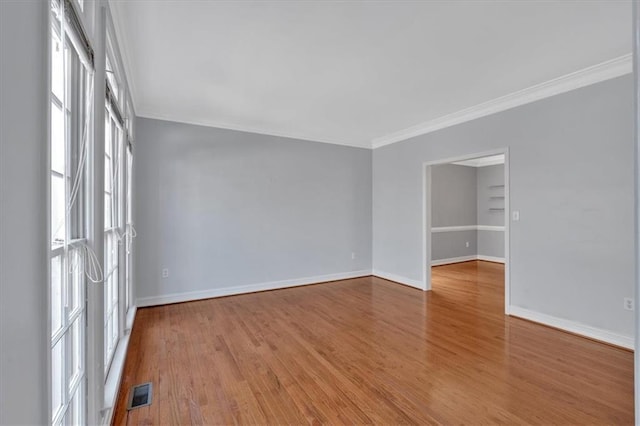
[{"x": 370, "y": 351}]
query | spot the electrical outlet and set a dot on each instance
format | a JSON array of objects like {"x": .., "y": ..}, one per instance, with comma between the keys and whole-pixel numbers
[
  {"x": 165, "y": 273},
  {"x": 467, "y": 244},
  {"x": 353, "y": 255},
  {"x": 628, "y": 304}
]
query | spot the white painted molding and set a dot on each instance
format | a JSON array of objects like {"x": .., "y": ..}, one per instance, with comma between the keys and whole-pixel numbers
[
  {"x": 482, "y": 161},
  {"x": 466, "y": 228},
  {"x": 575, "y": 80},
  {"x": 573, "y": 327},
  {"x": 439, "y": 229},
  {"x": 490, "y": 228},
  {"x": 399, "y": 279},
  {"x": 449, "y": 261},
  {"x": 490, "y": 258},
  {"x": 114, "y": 379},
  {"x": 251, "y": 288},
  {"x": 439, "y": 262}
]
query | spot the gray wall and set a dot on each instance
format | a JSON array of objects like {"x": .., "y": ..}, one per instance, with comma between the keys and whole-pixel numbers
[
  {"x": 486, "y": 178},
  {"x": 453, "y": 196},
  {"x": 491, "y": 243},
  {"x": 223, "y": 208},
  {"x": 449, "y": 245},
  {"x": 461, "y": 195},
  {"x": 23, "y": 200},
  {"x": 571, "y": 178}
]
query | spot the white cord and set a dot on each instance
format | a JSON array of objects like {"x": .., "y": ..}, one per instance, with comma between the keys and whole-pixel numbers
[
  {"x": 92, "y": 269},
  {"x": 83, "y": 149}
]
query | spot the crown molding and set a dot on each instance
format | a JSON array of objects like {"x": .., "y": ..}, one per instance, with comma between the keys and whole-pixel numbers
[
  {"x": 218, "y": 125},
  {"x": 594, "y": 74}
]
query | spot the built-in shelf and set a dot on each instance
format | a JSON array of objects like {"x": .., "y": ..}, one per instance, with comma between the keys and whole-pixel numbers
[
  {"x": 496, "y": 209},
  {"x": 496, "y": 186},
  {"x": 497, "y": 197}
]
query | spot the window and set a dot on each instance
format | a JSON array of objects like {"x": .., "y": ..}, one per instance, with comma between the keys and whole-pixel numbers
[
  {"x": 72, "y": 213},
  {"x": 130, "y": 232},
  {"x": 71, "y": 86},
  {"x": 112, "y": 232}
]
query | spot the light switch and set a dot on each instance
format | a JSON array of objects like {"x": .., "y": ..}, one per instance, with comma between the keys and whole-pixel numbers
[{"x": 515, "y": 215}]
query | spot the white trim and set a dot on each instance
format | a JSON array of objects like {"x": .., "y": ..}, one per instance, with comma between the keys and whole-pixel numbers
[
  {"x": 636, "y": 196},
  {"x": 399, "y": 279},
  {"x": 574, "y": 327},
  {"x": 439, "y": 229},
  {"x": 507, "y": 232},
  {"x": 482, "y": 162},
  {"x": 130, "y": 317},
  {"x": 426, "y": 226},
  {"x": 491, "y": 228},
  {"x": 490, "y": 258},
  {"x": 243, "y": 289},
  {"x": 594, "y": 74},
  {"x": 239, "y": 128},
  {"x": 426, "y": 218},
  {"x": 448, "y": 261},
  {"x": 114, "y": 378},
  {"x": 439, "y": 262}
]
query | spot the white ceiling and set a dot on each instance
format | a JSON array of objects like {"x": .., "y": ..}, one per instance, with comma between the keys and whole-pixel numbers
[{"x": 350, "y": 72}]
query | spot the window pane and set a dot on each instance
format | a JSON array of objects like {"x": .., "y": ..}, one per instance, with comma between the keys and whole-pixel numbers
[
  {"x": 107, "y": 133},
  {"x": 74, "y": 415},
  {"x": 114, "y": 327},
  {"x": 57, "y": 306},
  {"x": 129, "y": 184},
  {"x": 114, "y": 287},
  {"x": 57, "y": 73},
  {"x": 57, "y": 374},
  {"x": 107, "y": 212},
  {"x": 107, "y": 252},
  {"x": 107, "y": 174},
  {"x": 75, "y": 357},
  {"x": 107, "y": 345},
  {"x": 127, "y": 272},
  {"x": 57, "y": 210},
  {"x": 57, "y": 139},
  {"x": 111, "y": 77},
  {"x": 77, "y": 280},
  {"x": 107, "y": 295}
]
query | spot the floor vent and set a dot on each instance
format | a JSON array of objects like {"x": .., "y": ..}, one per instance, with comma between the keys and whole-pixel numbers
[{"x": 139, "y": 396}]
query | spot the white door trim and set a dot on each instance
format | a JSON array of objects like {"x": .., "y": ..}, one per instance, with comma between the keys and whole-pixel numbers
[{"x": 426, "y": 219}]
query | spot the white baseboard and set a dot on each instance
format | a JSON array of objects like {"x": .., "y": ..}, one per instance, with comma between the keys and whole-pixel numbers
[
  {"x": 251, "y": 288},
  {"x": 451, "y": 260},
  {"x": 399, "y": 279},
  {"x": 573, "y": 327},
  {"x": 490, "y": 258},
  {"x": 439, "y": 262}
]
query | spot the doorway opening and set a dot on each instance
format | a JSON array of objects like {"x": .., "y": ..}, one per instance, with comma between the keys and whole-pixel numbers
[{"x": 466, "y": 219}]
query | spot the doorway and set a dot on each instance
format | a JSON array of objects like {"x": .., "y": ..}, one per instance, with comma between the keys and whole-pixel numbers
[{"x": 466, "y": 213}]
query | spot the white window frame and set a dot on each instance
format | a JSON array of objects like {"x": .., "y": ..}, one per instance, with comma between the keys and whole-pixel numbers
[
  {"x": 70, "y": 337},
  {"x": 113, "y": 321}
]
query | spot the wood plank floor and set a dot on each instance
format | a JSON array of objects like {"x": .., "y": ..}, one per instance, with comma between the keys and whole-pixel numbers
[{"x": 370, "y": 351}]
